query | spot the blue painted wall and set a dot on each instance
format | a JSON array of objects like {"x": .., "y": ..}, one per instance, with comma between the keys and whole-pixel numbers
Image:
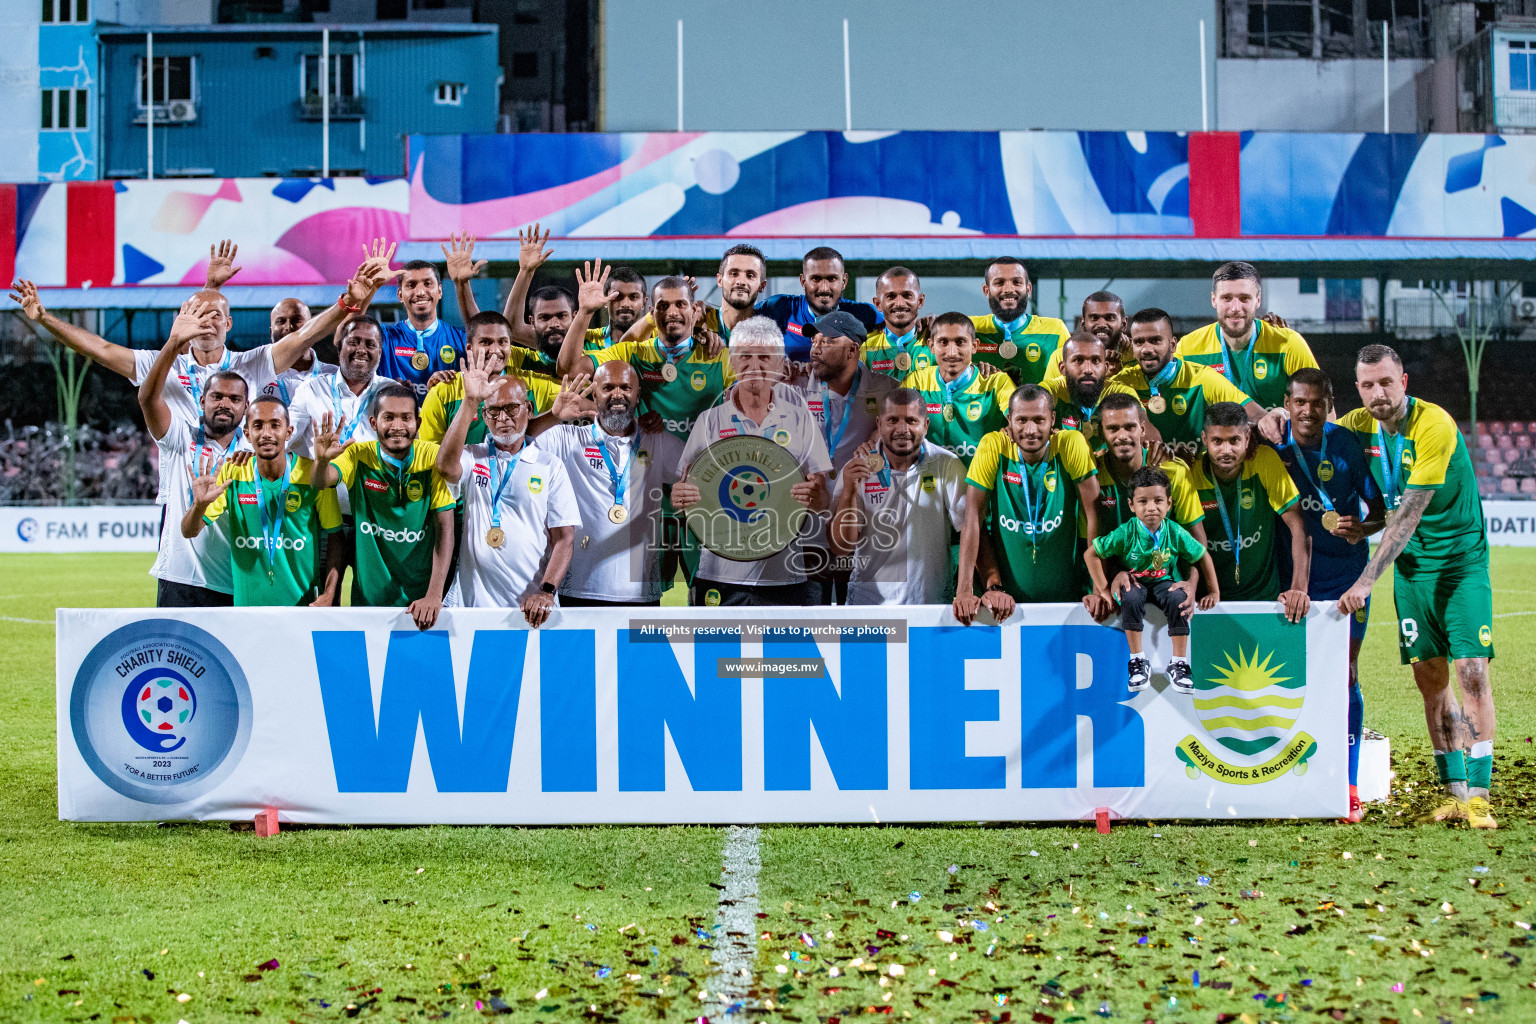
[
  {"x": 66, "y": 57},
  {"x": 249, "y": 121}
]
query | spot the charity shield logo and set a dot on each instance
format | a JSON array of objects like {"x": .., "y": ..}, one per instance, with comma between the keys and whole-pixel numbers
[
  {"x": 160, "y": 711},
  {"x": 1250, "y": 684},
  {"x": 743, "y": 492}
]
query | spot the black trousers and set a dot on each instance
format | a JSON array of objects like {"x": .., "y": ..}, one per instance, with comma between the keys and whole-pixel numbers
[
  {"x": 709, "y": 593},
  {"x": 184, "y": 595},
  {"x": 592, "y": 602},
  {"x": 1134, "y": 602}
]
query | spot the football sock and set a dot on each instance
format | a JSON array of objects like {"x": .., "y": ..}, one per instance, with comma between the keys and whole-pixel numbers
[
  {"x": 1452, "y": 765},
  {"x": 1480, "y": 765},
  {"x": 1356, "y": 723}
]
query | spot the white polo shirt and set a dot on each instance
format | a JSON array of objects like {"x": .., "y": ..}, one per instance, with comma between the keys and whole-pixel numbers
[
  {"x": 787, "y": 418},
  {"x": 537, "y": 499},
  {"x": 862, "y": 404},
  {"x": 903, "y": 552},
  {"x": 329, "y": 394},
  {"x": 185, "y": 384},
  {"x": 203, "y": 561},
  {"x": 286, "y": 385},
  {"x": 615, "y": 561}
]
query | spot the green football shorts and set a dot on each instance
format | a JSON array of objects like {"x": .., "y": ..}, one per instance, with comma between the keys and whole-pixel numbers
[{"x": 1444, "y": 616}]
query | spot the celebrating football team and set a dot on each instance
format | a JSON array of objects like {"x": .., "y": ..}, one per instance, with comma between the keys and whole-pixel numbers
[{"x": 592, "y": 446}]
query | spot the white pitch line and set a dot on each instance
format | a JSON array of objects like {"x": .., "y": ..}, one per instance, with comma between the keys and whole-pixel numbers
[
  {"x": 35, "y": 622},
  {"x": 736, "y": 937},
  {"x": 1511, "y": 615}
]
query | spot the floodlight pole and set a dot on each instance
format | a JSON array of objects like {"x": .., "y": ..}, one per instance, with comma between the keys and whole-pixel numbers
[
  {"x": 325, "y": 103},
  {"x": 1386, "y": 81},
  {"x": 1205, "y": 119},
  {"x": 847, "y": 82},
  {"x": 679, "y": 74},
  {"x": 149, "y": 98}
]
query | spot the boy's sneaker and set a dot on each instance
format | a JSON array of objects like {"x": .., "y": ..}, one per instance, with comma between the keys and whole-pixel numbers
[
  {"x": 1356, "y": 808},
  {"x": 1140, "y": 674},
  {"x": 1179, "y": 677}
]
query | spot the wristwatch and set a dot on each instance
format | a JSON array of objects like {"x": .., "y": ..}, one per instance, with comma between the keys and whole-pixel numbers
[
  {"x": 547, "y": 587},
  {"x": 994, "y": 586}
]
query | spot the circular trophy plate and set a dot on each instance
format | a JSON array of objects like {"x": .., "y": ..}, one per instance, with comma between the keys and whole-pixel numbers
[{"x": 745, "y": 510}]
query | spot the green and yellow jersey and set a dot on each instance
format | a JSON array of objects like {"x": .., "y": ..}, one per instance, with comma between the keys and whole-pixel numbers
[
  {"x": 1262, "y": 369},
  {"x": 1114, "y": 504},
  {"x": 711, "y": 322},
  {"x": 1429, "y": 453},
  {"x": 1152, "y": 560},
  {"x": 292, "y": 536},
  {"x": 959, "y": 416},
  {"x": 443, "y": 402},
  {"x": 528, "y": 361},
  {"x": 1071, "y": 416},
  {"x": 881, "y": 353},
  {"x": 393, "y": 507},
  {"x": 699, "y": 381},
  {"x": 1184, "y": 393},
  {"x": 1252, "y": 504},
  {"x": 1036, "y": 351},
  {"x": 1033, "y": 513}
]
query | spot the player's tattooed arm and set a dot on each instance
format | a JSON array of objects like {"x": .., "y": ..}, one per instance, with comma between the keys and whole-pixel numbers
[{"x": 1393, "y": 540}]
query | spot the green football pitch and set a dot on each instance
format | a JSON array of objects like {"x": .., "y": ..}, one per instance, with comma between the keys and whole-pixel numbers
[{"x": 1389, "y": 920}]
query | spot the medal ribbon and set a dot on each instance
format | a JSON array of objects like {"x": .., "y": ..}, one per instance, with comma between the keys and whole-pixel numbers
[
  {"x": 826, "y": 410},
  {"x": 1164, "y": 376},
  {"x": 362, "y": 406},
  {"x": 1029, "y": 503},
  {"x": 1392, "y": 466},
  {"x": 903, "y": 344},
  {"x": 200, "y": 442},
  {"x": 1010, "y": 327},
  {"x": 1301, "y": 460},
  {"x": 499, "y": 483},
  {"x": 194, "y": 382},
  {"x": 958, "y": 385},
  {"x": 272, "y": 523},
  {"x": 1155, "y": 538},
  {"x": 421, "y": 339},
  {"x": 1227, "y": 362},
  {"x": 401, "y": 467},
  {"x": 674, "y": 353},
  {"x": 1226, "y": 519},
  {"x": 619, "y": 479}
]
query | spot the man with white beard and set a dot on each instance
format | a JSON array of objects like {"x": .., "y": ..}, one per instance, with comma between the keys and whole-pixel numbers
[
  {"x": 617, "y": 473},
  {"x": 520, "y": 517}
]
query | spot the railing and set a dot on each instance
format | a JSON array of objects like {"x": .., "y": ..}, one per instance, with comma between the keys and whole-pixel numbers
[
  {"x": 343, "y": 108},
  {"x": 1429, "y": 313},
  {"x": 1514, "y": 111}
]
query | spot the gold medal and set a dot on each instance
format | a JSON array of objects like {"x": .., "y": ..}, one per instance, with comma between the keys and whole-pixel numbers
[
  {"x": 1157, "y": 560},
  {"x": 1007, "y": 350},
  {"x": 495, "y": 537},
  {"x": 617, "y": 514},
  {"x": 668, "y": 372},
  {"x": 1330, "y": 520},
  {"x": 832, "y": 473},
  {"x": 949, "y": 413},
  {"x": 1157, "y": 404},
  {"x": 875, "y": 461},
  {"x": 903, "y": 361},
  {"x": 421, "y": 361}
]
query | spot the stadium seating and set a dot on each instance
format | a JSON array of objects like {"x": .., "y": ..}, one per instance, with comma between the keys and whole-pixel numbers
[{"x": 1505, "y": 458}]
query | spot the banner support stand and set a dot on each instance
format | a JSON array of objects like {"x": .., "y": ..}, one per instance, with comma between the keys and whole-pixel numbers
[{"x": 266, "y": 823}]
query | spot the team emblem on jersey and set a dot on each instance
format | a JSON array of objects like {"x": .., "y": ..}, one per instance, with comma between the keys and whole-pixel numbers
[
  {"x": 413, "y": 491},
  {"x": 293, "y": 502},
  {"x": 973, "y": 411},
  {"x": 535, "y": 484},
  {"x": 928, "y": 482},
  {"x": 870, "y": 404},
  {"x": 1260, "y": 369},
  {"x": 1486, "y": 636},
  {"x": 1180, "y": 405},
  {"x": 1050, "y": 480},
  {"x": 781, "y": 436},
  {"x": 1247, "y": 500},
  {"x": 446, "y": 354},
  {"x": 1325, "y": 471},
  {"x": 1032, "y": 352},
  {"x": 643, "y": 457},
  {"x": 1407, "y": 458},
  {"x": 711, "y": 597},
  {"x": 697, "y": 380}
]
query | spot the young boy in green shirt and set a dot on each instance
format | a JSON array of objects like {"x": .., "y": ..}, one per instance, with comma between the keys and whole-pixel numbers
[{"x": 1151, "y": 546}]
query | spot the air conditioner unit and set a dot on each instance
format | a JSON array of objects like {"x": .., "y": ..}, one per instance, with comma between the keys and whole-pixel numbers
[
  {"x": 177, "y": 112},
  {"x": 1525, "y": 309}
]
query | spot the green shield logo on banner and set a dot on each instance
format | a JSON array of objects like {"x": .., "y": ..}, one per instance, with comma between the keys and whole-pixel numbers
[{"x": 1250, "y": 683}]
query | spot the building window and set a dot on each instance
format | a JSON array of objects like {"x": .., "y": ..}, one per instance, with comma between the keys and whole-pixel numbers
[
  {"x": 65, "y": 110},
  {"x": 449, "y": 94},
  {"x": 345, "y": 80},
  {"x": 525, "y": 65},
  {"x": 63, "y": 12},
  {"x": 174, "y": 79},
  {"x": 1522, "y": 65},
  {"x": 1307, "y": 286}
]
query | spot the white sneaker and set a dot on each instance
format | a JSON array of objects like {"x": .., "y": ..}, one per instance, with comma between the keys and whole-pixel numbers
[
  {"x": 1139, "y": 674},
  {"x": 1179, "y": 676}
]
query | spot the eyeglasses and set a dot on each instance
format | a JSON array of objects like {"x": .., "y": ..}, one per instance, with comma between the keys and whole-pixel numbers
[{"x": 503, "y": 412}]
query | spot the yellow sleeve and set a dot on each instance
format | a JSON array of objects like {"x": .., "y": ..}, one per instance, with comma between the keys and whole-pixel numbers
[
  {"x": 982, "y": 324},
  {"x": 1434, "y": 442},
  {"x": 1115, "y": 386},
  {"x": 983, "y": 471},
  {"x": 543, "y": 392},
  {"x": 1053, "y": 364},
  {"x": 347, "y": 465},
  {"x": 911, "y": 380},
  {"x": 1002, "y": 386},
  {"x": 1056, "y": 385},
  {"x": 622, "y": 352},
  {"x": 727, "y": 374},
  {"x": 1186, "y": 503},
  {"x": 434, "y": 416},
  {"x": 329, "y": 509},
  {"x": 1076, "y": 459},
  {"x": 211, "y": 515},
  {"x": 1298, "y": 354},
  {"x": 441, "y": 497},
  {"x": 1217, "y": 388},
  {"x": 1277, "y": 482}
]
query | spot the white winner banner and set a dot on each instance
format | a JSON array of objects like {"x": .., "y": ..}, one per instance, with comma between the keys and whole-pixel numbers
[
  {"x": 691, "y": 715},
  {"x": 1510, "y": 523},
  {"x": 79, "y": 528}
]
